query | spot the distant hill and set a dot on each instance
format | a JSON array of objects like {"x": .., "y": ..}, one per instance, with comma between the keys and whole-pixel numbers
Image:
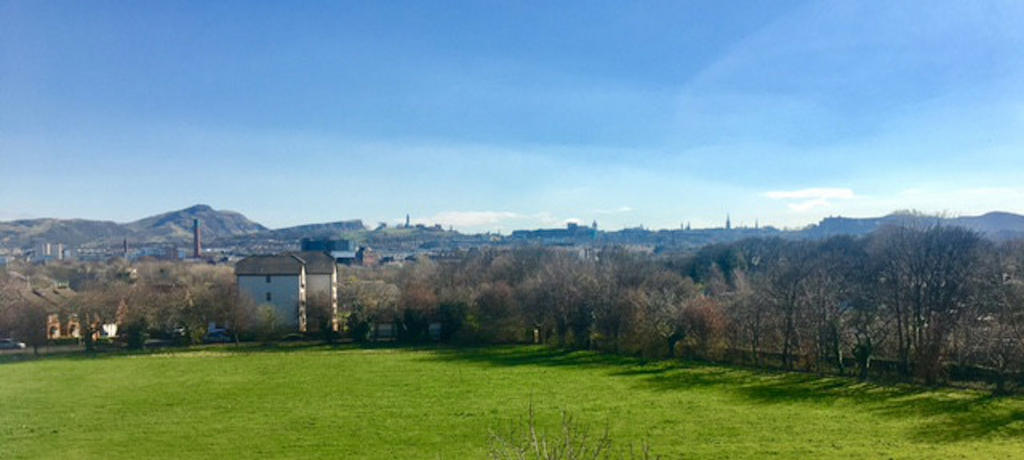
[
  {"x": 324, "y": 230},
  {"x": 233, "y": 229},
  {"x": 72, "y": 232},
  {"x": 999, "y": 226},
  {"x": 995, "y": 225},
  {"x": 177, "y": 225}
]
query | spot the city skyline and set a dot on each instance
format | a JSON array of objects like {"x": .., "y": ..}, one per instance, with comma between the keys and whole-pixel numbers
[{"x": 728, "y": 223}]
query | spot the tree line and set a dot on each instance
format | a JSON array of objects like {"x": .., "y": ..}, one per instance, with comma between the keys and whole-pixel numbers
[
  {"x": 146, "y": 300},
  {"x": 927, "y": 304}
]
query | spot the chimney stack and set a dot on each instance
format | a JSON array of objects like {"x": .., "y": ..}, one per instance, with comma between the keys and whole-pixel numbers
[{"x": 197, "y": 240}]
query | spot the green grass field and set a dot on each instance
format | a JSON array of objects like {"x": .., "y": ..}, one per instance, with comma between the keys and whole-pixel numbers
[{"x": 349, "y": 402}]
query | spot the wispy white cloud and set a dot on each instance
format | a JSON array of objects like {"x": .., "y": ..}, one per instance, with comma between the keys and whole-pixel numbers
[
  {"x": 469, "y": 218},
  {"x": 807, "y": 199},
  {"x": 811, "y": 193},
  {"x": 545, "y": 218},
  {"x": 618, "y": 210}
]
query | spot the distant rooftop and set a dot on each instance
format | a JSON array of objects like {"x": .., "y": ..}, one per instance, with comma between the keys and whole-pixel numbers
[{"x": 282, "y": 264}]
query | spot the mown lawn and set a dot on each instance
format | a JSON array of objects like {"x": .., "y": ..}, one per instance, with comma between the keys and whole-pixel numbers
[{"x": 348, "y": 402}]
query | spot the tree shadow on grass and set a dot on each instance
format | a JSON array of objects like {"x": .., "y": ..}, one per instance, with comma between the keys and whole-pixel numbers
[
  {"x": 243, "y": 348},
  {"x": 113, "y": 352},
  {"x": 945, "y": 415},
  {"x": 533, "y": 355}
]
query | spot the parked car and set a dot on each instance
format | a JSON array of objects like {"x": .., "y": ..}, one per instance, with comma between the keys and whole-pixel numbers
[
  {"x": 217, "y": 337},
  {"x": 11, "y": 344}
]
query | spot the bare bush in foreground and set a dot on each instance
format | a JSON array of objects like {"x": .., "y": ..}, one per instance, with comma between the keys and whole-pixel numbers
[{"x": 572, "y": 442}]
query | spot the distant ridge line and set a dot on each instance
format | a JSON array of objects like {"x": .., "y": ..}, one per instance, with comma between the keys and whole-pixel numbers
[{"x": 175, "y": 227}]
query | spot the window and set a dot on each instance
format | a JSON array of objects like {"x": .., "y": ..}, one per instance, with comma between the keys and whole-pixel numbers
[
  {"x": 268, "y": 297},
  {"x": 268, "y": 278}
]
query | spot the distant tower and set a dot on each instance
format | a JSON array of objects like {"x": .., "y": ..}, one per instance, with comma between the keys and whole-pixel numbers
[
  {"x": 687, "y": 225},
  {"x": 756, "y": 224},
  {"x": 197, "y": 239},
  {"x": 594, "y": 225},
  {"x": 60, "y": 251},
  {"x": 728, "y": 223},
  {"x": 407, "y": 221},
  {"x": 124, "y": 248}
]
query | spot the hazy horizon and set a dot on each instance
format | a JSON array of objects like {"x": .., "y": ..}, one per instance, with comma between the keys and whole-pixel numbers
[
  {"x": 493, "y": 117},
  {"x": 736, "y": 224}
]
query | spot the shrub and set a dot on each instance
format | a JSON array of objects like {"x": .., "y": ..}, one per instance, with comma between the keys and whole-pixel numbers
[
  {"x": 452, "y": 317},
  {"x": 572, "y": 442}
]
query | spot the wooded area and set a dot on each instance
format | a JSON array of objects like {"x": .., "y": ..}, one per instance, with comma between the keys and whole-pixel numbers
[{"x": 931, "y": 304}]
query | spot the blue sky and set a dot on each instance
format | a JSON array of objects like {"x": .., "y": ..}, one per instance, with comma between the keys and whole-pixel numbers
[{"x": 504, "y": 115}]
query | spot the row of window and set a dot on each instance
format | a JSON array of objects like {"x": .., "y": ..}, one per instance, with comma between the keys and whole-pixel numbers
[{"x": 303, "y": 285}]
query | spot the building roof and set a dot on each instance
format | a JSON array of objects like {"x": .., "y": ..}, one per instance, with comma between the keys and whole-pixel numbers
[
  {"x": 343, "y": 254},
  {"x": 282, "y": 264},
  {"x": 317, "y": 263},
  {"x": 50, "y": 299}
]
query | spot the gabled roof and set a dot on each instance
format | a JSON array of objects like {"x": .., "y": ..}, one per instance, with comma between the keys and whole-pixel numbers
[
  {"x": 317, "y": 263},
  {"x": 283, "y": 264}
]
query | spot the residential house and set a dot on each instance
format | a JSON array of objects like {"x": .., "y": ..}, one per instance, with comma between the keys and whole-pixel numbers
[
  {"x": 321, "y": 283},
  {"x": 288, "y": 281},
  {"x": 278, "y": 281}
]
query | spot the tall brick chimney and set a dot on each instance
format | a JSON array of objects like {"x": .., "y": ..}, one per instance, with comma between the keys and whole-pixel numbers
[{"x": 197, "y": 239}]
